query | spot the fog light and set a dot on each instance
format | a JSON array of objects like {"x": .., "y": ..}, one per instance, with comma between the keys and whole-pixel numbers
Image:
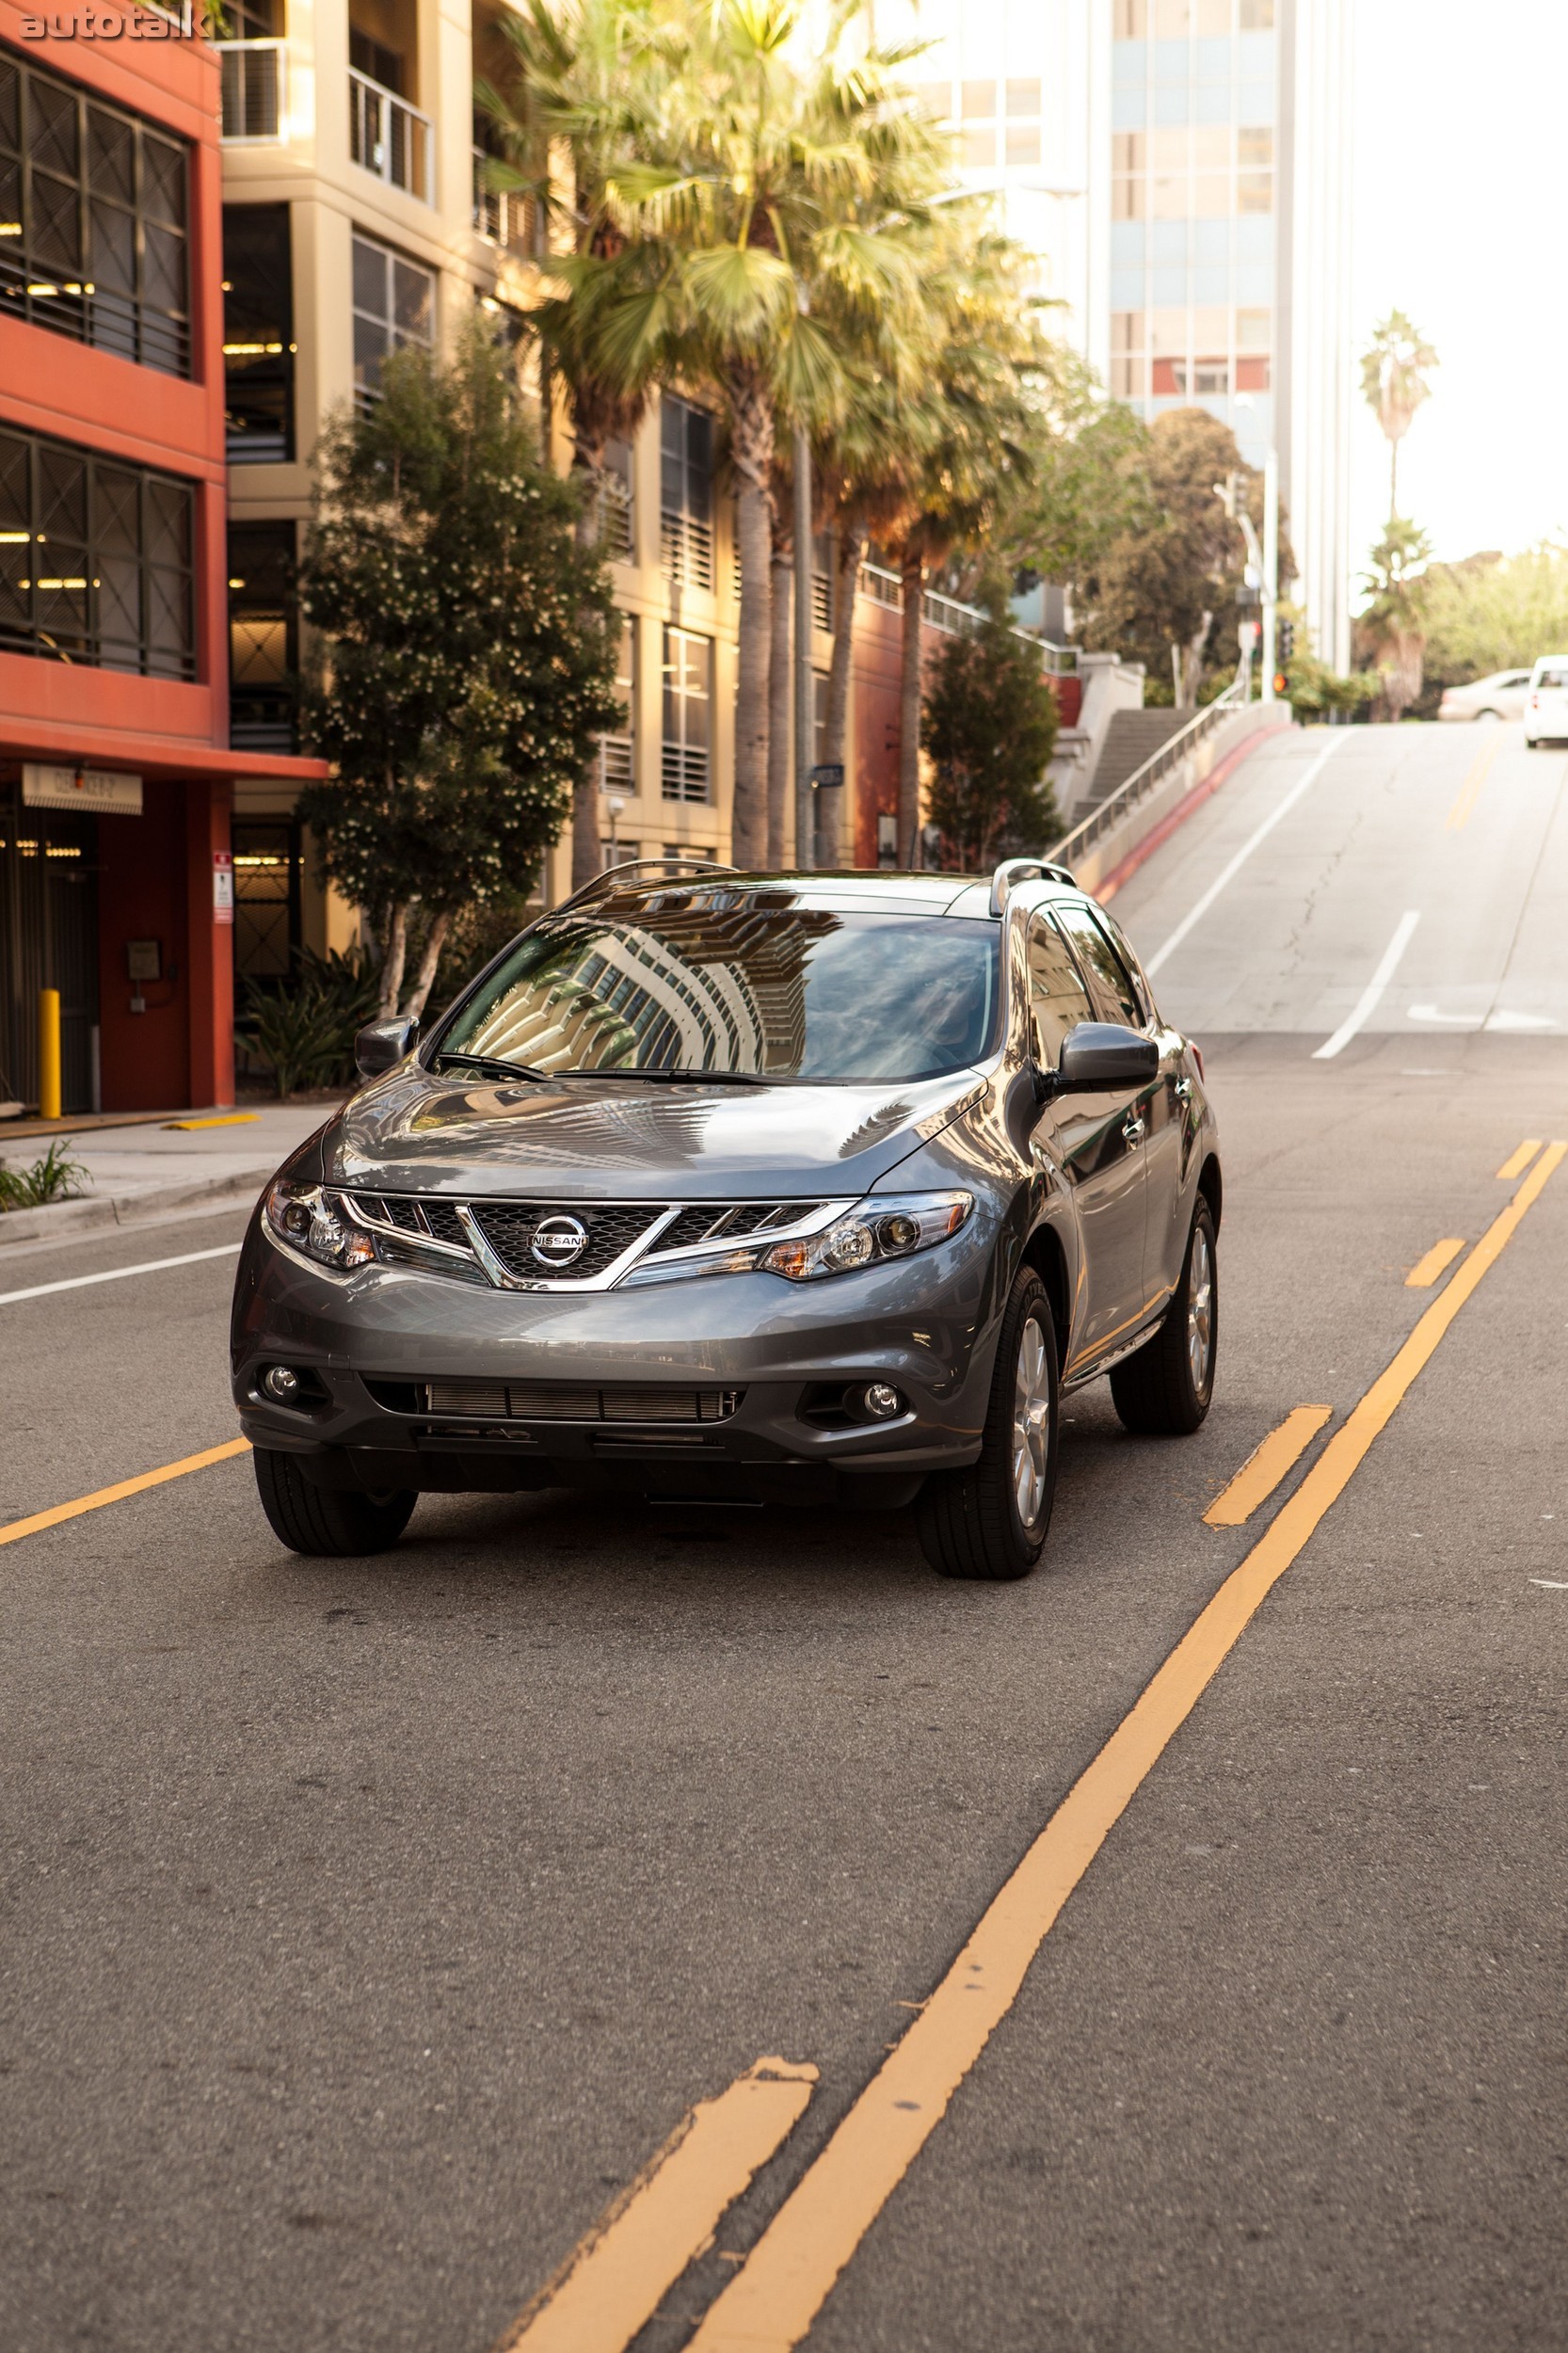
[
  {"x": 882, "y": 1400},
  {"x": 283, "y": 1383}
]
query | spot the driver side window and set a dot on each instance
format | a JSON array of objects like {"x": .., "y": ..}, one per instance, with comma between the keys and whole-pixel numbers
[
  {"x": 1058, "y": 1001},
  {"x": 1107, "y": 977}
]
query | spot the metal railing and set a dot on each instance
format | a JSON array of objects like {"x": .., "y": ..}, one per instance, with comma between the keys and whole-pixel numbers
[
  {"x": 500, "y": 214},
  {"x": 252, "y": 76},
  {"x": 958, "y": 619},
  {"x": 389, "y": 137},
  {"x": 1142, "y": 780}
]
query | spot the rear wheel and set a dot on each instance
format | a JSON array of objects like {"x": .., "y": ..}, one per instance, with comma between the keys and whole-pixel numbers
[
  {"x": 990, "y": 1521},
  {"x": 327, "y": 1522},
  {"x": 1164, "y": 1390}
]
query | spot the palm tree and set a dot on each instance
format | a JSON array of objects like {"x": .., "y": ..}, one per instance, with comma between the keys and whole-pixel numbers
[
  {"x": 1397, "y": 586},
  {"x": 1394, "y": 381},
  {"x": 564, "y": 119},
  {"x": 767, "y": 199}
]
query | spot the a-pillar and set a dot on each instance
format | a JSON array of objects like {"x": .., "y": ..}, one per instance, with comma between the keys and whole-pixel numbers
[{"x": 210, "y": 930}]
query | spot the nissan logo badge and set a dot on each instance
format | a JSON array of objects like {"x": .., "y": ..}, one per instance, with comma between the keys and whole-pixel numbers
[{"x": 559, "y": 1241}]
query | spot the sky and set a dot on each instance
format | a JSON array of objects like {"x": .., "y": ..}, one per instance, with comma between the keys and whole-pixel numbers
[{"x": 1461, "y": 221}]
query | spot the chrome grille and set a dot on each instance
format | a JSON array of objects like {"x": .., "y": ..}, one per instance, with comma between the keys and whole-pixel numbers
[
  {"x": 730, "y": 1221},
  {"x": 509, "y": 1227},
  {"x": 485, "y": 1239}
]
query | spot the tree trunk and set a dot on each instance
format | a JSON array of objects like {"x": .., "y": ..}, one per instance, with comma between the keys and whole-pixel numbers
[
  {"x": 751, "y": 449},
  {"x": 912, "y": 570},
  {"x": 587, "y": 855},
  {"x": 1188, "y": 665},
  {"x": 425, "y": 978},
  {"x": 393, "y": 961},
  {"x": 782, "y": 641},
  {"x": 852, "y": 548}
]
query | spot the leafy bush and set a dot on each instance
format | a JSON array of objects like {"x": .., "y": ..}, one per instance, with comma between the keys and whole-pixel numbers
[
  {"x": 1314, "y": 691},
  {"x": 54, "y": 1177},
  {"x": 989, "y": 722},
  {"x": 303, "y": 1028}
]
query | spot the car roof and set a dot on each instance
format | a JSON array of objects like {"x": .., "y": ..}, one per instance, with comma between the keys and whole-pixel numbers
[{"x": 881, "y": 892}]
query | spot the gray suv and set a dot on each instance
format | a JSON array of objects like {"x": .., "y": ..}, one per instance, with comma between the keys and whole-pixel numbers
[{"x": 751, "y": 1189}]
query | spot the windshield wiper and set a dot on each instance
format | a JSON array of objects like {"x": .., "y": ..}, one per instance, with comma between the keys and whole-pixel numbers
[
  {"x": 681, "y": 1076},
  {"x": 492, "y": 1062}
]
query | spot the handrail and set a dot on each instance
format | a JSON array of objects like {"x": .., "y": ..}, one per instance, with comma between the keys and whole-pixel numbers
[
  {"x": 1071, "y": 846},
  {"x": 389, "y": 137},
  {"x": 885, "y": 587}
]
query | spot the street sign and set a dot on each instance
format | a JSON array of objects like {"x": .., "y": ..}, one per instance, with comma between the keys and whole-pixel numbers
[{"x": 828, "y": 776}]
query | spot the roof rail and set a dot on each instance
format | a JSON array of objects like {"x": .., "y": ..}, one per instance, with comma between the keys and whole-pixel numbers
[
  {"x": 613, "y": 874},
  {"x": 1013, "y": 870}
]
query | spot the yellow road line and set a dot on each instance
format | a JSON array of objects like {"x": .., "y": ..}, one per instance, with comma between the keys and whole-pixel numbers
[
  {"x": 1426, "y": 1271},
  {"x": 14, "y": 1530},
  {"x": 1469, "y": 792},
  {"x": 1266, "y": 1465},
  {"x": 770, "y": 2304},
  {"x": 1518, "y": 1162},
  {"x": 613, "y": 2284}
]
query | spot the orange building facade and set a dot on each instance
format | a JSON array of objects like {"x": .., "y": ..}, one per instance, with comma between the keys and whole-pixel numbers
[{"x": 115, "y": 775}]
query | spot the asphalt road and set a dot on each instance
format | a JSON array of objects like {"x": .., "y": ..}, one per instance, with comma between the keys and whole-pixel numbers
[{"x": 368, "y": 1927}]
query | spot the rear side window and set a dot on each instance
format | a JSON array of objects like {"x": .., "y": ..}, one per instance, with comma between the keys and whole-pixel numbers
[
  {"x": 1557, "y": 679},
  {"x": 1058, "y": 1001},
  {"x": 1108, "y": 976}
]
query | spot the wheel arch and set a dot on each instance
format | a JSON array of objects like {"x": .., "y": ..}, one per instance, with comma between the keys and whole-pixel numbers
[
  {"x": 1044, "y": 1254},
  {"x": 1211, "y": 1187}
]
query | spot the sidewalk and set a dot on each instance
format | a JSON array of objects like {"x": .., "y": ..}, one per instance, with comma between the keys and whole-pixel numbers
[{"x": 135, "y": 1172}]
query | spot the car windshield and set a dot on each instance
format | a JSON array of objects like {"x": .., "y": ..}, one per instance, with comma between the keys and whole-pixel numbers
[{"x": 721, "y": 980}]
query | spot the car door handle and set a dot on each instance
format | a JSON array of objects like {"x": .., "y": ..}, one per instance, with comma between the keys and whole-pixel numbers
[{"x": 1133, "y": 1128}]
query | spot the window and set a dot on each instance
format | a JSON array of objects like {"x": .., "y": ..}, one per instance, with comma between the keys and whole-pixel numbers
[
  {"x": 980, "y": 149},
  {"x": 1107, "y": 977},
  {"x": 617, "y": 749},
  {"x": 618, "y": 853},
  {"x": 95, "y": 560},
  {"x": 1023, "y": 97},
  {"x": 688, "y": 706},
  {"x": 258, "y": 334},
  {"x": 267, "y": 931},
  {"x": 1058, "y": 1001},
  {"x": 93, "y": 222},
  {"x": 1023, "y": 142},
  {"x": 263, "y": 637},
  {"x": 615, "y": 525},
  {"x": 377, "y": 63},
  {"x": 686, "y": 491},
  {"x": 252, "y": 67},
  {"x": 818, "y": 717},
  {"x": 937, "y": 98},
  {"x": 823, "y": 563},
  {"x": 394, "y": 304},
  {"x": 980, "y": 101}
]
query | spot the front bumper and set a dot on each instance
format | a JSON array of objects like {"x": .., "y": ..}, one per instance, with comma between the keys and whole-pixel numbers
[{"x": 379, "y": 1344}]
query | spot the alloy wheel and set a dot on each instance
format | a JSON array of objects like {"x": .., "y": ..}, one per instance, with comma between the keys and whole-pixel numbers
[
  {"x": 1200, "y": 1309},
  {"x": 1031, "y": 1408}
]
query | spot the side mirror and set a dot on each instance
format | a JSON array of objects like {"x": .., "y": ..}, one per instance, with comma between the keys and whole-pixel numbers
[
  {"x": 380, "y": 1045},
  {"x": 1100, "y": 1056}
]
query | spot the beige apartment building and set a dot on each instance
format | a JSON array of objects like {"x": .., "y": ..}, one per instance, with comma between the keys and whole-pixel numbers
[{"x": 356, "y": 222}]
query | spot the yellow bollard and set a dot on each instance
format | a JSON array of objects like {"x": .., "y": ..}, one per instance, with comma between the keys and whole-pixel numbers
[{"x": 49, "y": 1053}]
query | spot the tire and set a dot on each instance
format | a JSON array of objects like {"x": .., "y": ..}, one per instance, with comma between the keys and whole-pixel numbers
[
  {"x": 990, "y": 1521},
  {"x": 1164, "y": 1391},
  {"x": 327, "y": 1523}
]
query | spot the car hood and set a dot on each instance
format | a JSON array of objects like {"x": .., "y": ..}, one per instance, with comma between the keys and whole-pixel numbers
[{"x": 617, "y": 1140}]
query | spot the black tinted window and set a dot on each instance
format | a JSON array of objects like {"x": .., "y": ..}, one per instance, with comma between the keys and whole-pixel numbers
[
  {"x": 1108, "y": 976},
  {"x": 716, "y": 979}
]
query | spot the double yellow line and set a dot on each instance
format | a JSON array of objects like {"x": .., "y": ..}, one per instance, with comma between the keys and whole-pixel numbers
[
  {"x": 781, "y": 2286},
  {"x": 1469, "y": 792}
]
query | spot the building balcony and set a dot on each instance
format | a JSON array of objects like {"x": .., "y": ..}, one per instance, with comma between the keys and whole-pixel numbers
[
  {"x": 390, "y": 138},
  {"x": 254, "y": 81},
  {"x": 500, "y": 214}
]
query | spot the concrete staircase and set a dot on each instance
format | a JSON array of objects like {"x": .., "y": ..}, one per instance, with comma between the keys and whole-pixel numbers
[{"x": 1132, "y": 736}]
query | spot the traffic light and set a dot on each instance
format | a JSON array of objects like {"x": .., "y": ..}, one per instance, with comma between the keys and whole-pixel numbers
[{"x": 1284, "y": 642}]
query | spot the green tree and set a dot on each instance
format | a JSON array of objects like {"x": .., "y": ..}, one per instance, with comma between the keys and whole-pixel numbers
[
  {"x": 467, "y": 663},
  {"x": 989, "y": 722},
  {"x": 1394, "y": 372},
  {"x": 1088, "y": 483},
  {"x": 1393, "y": 619},
  {"x": 1163, "y": 591},
  {"x": 1495, "y": 613}
]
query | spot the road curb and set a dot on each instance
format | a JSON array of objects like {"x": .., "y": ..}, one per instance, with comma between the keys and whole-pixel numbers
[
  {"x": 63, "y": 1220},
  {"x": 1126, "y": 867}
]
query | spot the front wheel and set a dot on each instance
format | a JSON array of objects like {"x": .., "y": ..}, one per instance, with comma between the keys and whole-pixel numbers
[
  {"x": 327, "y": 1523},
  {"x": 1164, "y": 1390},
  {"x": 990, "y": 1521}
]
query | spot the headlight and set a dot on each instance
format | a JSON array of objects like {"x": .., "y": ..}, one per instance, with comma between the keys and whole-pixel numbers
[
  {"x": 867, "y": 1235},
  {"x": 314, "y": 1221}
]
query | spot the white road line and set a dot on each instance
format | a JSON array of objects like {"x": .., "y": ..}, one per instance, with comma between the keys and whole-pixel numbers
[
  {"x": 118, "y": 1273},
  {"x": 1227, "y": 874},
  {"x": 1366, "y": 1003}
]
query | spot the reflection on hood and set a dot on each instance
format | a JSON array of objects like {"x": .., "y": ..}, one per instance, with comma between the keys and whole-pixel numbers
[{"x": 612, "y": 1138}]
